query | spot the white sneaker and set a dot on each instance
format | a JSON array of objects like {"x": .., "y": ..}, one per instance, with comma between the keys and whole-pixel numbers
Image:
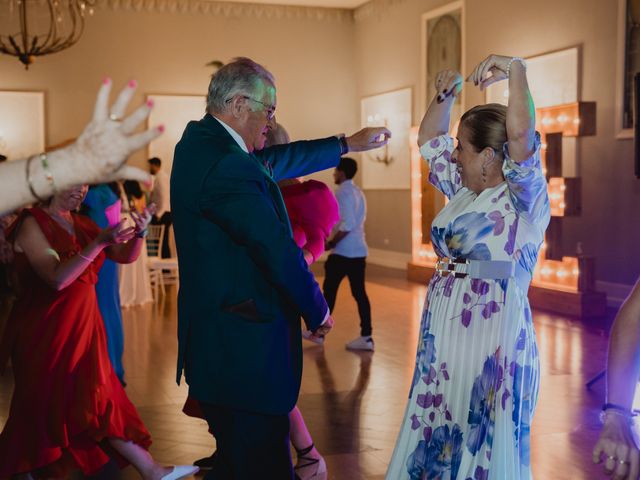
[
  {"x": 308, "y": 335},
  {"x": 181, "y": 471},
  {"x": 361, "y": 343}
]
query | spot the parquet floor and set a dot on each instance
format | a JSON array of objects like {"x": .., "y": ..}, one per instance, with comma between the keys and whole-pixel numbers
[{"x": 353, "y": 402}]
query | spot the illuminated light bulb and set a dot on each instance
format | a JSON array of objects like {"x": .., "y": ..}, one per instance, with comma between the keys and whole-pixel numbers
[
  {"x": 544, "y": 146},
  {"x": 547, "y": 121},
  {"x": 563, "y": 187},
  {"x": 544, "y": 245},
  {"x": 546, "y": 271},
  {"x": 561, "y": 273},
  {"x": 544, "y": 170},
  {"x": 576, "y": 121},
  {"x": 575, "y": 272},
  {"x": 506, "y": 93},
  {"x": 562, "y": 205},
  {"x": 562, "y": 118}
]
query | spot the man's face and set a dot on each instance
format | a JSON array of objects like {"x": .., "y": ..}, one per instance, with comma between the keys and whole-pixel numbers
[
  {"x": 338, "y": 176},
  {"x": 257, "y": 116},
  {"x": 153, "y": 169}
]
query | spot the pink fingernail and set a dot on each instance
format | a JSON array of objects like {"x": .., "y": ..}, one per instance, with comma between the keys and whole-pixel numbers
[
  {"x": 106, "y": 81},
  {"x": 132, "y": 84},
  {"x": 161, "y": 128},
  {"x": 150, "y": 103}
]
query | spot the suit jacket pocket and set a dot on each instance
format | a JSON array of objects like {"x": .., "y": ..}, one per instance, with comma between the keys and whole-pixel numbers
[{"x": 247, "y": 310}]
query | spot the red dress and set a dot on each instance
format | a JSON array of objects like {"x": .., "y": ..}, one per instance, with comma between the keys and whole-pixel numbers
[{"x": 67, "y": 399}]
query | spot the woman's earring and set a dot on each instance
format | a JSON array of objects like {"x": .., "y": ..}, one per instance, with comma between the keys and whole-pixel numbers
[{"x": 484, "y": 174}]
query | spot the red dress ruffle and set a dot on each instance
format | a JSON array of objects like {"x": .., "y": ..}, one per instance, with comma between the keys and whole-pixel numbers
[{"x": 67, "y": 399}]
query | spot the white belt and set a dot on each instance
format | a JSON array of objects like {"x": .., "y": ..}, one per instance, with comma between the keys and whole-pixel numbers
[{"x": 485, "y": 269}]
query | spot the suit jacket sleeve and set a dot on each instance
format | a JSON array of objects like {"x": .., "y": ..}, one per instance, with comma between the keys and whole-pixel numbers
[
  {"x": 300, "y": 158},
  {"x": 234, "y": 198}
]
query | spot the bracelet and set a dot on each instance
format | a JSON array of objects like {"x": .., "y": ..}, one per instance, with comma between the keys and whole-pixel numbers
[
  {"x": 344, "y": 146},
  {"x": 47, "y": 172},
  {"x": 85, "y": 258},
  {"x": 30, "y": 181},
  {"x": 516, "y": 59},
  {"x": 617, "y": 408},
  {"x": 628, "y": 416}
]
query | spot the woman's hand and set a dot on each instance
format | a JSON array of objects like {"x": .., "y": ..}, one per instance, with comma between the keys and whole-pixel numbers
[
  {"x": 618, "y": 448},
  {"x": 308, "y": 256},
  {"x": 115, "y": 235},
  {"x": 448, "y": 83},
  {"x": 497, "y": 65},
  {"x": 142, "y": 219},
  {"x": 108, "y": 140}
]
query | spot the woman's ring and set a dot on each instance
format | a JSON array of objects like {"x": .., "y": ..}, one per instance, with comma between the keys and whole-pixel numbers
[{"x": 114, "y": 118}]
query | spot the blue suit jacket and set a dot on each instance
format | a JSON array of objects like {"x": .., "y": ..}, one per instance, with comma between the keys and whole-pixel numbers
[{"x": 244, "y": 283}]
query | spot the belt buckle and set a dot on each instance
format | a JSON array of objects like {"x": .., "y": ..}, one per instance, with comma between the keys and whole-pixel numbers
[{"x": 446, "y": 267}]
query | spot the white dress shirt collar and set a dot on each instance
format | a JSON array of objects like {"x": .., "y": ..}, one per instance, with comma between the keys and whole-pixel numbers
[{"x": 235, "y": 135}]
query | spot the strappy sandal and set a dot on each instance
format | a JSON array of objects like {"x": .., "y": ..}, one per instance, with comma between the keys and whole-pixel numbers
[{"x": 320, "y": 472}]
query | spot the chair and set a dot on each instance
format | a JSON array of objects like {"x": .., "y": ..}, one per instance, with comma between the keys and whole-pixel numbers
[{"x": 162, "y": 271}]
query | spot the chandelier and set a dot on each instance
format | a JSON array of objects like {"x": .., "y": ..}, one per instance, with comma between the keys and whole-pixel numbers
[{"x": 31, "y": 28}]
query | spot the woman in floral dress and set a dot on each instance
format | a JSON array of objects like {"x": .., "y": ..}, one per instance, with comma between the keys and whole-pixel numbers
[{"x": 475, "y": 382}]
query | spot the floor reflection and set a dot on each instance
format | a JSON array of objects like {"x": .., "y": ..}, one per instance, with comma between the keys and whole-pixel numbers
[{"x": 353, "y": 402}]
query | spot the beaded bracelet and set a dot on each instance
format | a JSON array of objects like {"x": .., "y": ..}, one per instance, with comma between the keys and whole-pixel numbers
[
  {"x": 30, "y": 181},
  {"x": 620, "y": 408},
  {"x": 47, "y": 175},
  {"x": 629, "y": 417},
  {"x": 47, "y": 172},
  {"x": 516, "y": 59}
]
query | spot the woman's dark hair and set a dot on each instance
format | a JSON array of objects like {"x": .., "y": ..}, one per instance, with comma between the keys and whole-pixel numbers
[
  {"x": 486, "y": 126},
  {"x": 132, "y": 189}
]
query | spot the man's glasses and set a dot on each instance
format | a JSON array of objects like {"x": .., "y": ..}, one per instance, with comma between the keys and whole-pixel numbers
[{"x": 270, "y": 110}]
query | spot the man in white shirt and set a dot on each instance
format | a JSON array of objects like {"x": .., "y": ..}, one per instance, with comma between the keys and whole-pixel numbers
[
  {"x": 160, "y": 196},
  {"x": 349, "y": 254}
]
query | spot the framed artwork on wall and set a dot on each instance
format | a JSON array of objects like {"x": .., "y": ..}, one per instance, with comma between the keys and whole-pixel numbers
[
  {"x": 553, "y": 79},
  {"x": 174, "y": 112},
  {"x": 388, "y": 168},
  {"x": 628, "y": 64},
  {"x": 22, "y": 129},
  {"x": 443, "y": 40},
  {"x": 442, "y": 48}
]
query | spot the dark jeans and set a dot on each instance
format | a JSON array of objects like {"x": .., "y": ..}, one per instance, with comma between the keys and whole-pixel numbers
[
  {"x": 250, "y": 446},
  {"x": 166, "y": 221},
  {"x": 336, "y": 268}
]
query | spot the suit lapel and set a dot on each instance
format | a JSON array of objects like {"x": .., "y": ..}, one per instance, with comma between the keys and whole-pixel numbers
[
  {"x": 274, "y": 190},
  {"x": 276, "y": 195}
]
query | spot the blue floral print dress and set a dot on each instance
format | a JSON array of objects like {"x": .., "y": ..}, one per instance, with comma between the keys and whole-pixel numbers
[{"x": 475, "y": 383}]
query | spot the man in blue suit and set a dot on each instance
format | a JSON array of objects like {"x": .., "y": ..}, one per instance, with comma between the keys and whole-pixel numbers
[{"x": 244, "y": 284}]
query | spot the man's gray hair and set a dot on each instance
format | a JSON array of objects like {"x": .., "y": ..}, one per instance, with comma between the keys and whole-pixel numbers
[{"x": 241, "y": 76}]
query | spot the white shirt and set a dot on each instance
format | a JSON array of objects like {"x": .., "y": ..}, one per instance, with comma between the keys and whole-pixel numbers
[
  {"x": 160, "y": 193},
  {"x": 353, "y": 213},
  {"x": 235, "y": 135}
]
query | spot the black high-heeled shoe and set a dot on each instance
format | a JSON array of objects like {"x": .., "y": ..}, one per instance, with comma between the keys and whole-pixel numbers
[{"x": 308, "y": 463}]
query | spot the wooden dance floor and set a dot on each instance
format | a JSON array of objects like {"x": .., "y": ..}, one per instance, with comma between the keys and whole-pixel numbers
[{"x": 353, "y": 402}]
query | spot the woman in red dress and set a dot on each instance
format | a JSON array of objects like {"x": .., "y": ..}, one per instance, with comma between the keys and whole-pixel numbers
[{"x": 68, "y": 410}]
